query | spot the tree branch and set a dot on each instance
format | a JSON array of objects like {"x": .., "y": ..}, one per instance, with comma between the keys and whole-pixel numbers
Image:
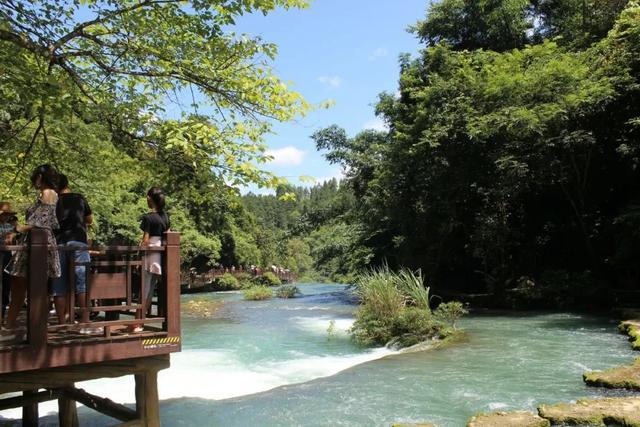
[{"x": 79, "y": 29}]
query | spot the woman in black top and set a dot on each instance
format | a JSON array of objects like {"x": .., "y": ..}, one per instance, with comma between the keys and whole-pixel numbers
[
  {"x": 153, "y": 224},
  {"x": 74, "y": 215}
]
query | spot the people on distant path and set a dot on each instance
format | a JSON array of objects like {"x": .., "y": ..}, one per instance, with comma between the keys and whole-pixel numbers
[
  {"x": 8, "y": 223},
  {"x": 42, "y": 214},
  {"x": 74, "y": 215},
  {"x": 153, "y": 224}
]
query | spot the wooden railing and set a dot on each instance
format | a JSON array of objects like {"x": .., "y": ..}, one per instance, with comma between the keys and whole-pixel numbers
[{"x": 113, "y": 278}]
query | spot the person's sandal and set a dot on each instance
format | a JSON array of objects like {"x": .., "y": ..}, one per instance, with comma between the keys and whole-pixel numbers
[
  {"x": 91, "y": 331},
  {"x": 135, "y": 329}
]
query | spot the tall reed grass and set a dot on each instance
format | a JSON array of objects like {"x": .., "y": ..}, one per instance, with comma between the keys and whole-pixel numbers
[
  {"x": 378, "y": 292},
  {"x": 411, "y": 285},
  {"x": 394, "y": 308},
  {"x": 386, "y": 292}
]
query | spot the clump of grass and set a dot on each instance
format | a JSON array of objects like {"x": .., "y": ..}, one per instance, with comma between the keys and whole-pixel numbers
[
  {"x": 378, "y": 292},
  {"x": 412, "y": 286},
  {"x": 395, "y": 309},
  {"x": 287, "y": 291},
  {"x": 258, "y": 293}
]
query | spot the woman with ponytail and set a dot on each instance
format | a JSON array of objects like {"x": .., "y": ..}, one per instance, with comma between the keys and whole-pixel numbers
[{"x": 153, "y": 224}]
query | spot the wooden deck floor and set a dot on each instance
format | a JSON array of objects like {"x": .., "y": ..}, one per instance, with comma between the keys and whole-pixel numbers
[{"x": 70, "y": 336}]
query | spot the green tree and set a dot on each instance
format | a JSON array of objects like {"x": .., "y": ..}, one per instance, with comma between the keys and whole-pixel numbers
[
  {"x": 93, "y": 87},
  {"x": 474, "y": 24},
  {"x": 499, "y": 164}
]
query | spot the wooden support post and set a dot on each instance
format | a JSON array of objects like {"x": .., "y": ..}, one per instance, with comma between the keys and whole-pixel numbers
[
  {"x": 147, "y": 406},
  {"x": 71, "y": 284},
  {"x": 67, "y": 411},
  {"x": 30, "y": 410},
  {"x": 100, "y": 404},
  {"x": 171, "y": 289},
  {"x": 38, "y": 295},
  {"x": 20, "y": 401}
]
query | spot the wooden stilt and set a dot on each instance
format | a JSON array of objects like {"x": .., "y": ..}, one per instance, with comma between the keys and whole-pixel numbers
[
  {"x": 20, "y": 401},
  {"x": 101, "y": 404},
  {"x": 67, "y": 411},
  {"x": 147, "y": 406},
  {"x": 30, "y": 411}
]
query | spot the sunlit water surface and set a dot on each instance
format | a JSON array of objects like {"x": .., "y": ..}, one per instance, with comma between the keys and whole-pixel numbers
[{"x": 274, "y": 363}]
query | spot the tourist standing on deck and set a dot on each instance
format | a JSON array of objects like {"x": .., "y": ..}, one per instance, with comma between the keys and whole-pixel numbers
[
  {"x": 42, "y": 215},
  {"x": 153, "y": 224},
  {"x": 74, "y": 215}
]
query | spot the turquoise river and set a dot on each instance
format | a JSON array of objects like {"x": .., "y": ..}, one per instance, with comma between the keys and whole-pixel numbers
[{"x": 274, "y": 363}]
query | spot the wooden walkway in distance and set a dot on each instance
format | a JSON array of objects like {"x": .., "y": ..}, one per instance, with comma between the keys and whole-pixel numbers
[{"x": 202, "y": 280}]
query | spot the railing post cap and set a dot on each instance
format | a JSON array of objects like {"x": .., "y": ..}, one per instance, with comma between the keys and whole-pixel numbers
[
  {"x": 172, "y": 238},
  {"x": 39, "y": 236}
]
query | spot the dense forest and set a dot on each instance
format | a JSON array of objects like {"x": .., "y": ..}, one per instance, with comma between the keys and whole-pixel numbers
[
  {"x": 510, "y": 163},
  {"x": 511, "y": 160}
]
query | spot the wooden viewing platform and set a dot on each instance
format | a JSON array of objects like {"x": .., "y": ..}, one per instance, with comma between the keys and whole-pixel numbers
[{"x": 46, "y": 359}]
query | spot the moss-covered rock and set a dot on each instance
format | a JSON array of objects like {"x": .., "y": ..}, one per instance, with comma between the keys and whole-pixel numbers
[
  {"x": 623, "y": 411},
  {"x": 508, "y": 419},
  {"x": 201, "y": 307},
  {"x": 631, "y": 328},
  {"x": 627, "y": 376},
  {"x": 455, "y": 337}
]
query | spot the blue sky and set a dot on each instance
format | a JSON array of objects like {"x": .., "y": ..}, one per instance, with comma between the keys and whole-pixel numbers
[{"x": 342, "y": 50}]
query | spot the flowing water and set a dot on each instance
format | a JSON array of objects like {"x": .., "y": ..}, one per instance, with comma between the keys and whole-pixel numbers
[{"x": 291, "y": 363}]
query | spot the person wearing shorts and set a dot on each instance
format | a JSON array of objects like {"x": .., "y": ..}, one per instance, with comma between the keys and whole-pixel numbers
[{"x": 74, "y": 215}]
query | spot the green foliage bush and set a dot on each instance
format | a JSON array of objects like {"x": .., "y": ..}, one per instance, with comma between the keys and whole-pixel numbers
[
  {"x": 244, "y": 279},
  {"x": 450, "y": 312},
  {"x": 395, "y": 310},
  {"x": 227, "y": 282},
  {"x": 267, "y": 279},
  {"x": 414, "y": 325},
  {"x": 313, "y": 276},
  {"x": 287, "y": 291},
  {"x": 369, "y": 329},
  {"x": 258, "y": 293}
]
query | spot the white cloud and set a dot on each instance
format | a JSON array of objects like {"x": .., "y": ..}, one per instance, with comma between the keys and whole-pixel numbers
[
  {"x": 378, "y": 53},
  {"x": 286, "y": 156},
  {"x": 376, "y": 124},
  {"x": 330, "y": 81}
]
